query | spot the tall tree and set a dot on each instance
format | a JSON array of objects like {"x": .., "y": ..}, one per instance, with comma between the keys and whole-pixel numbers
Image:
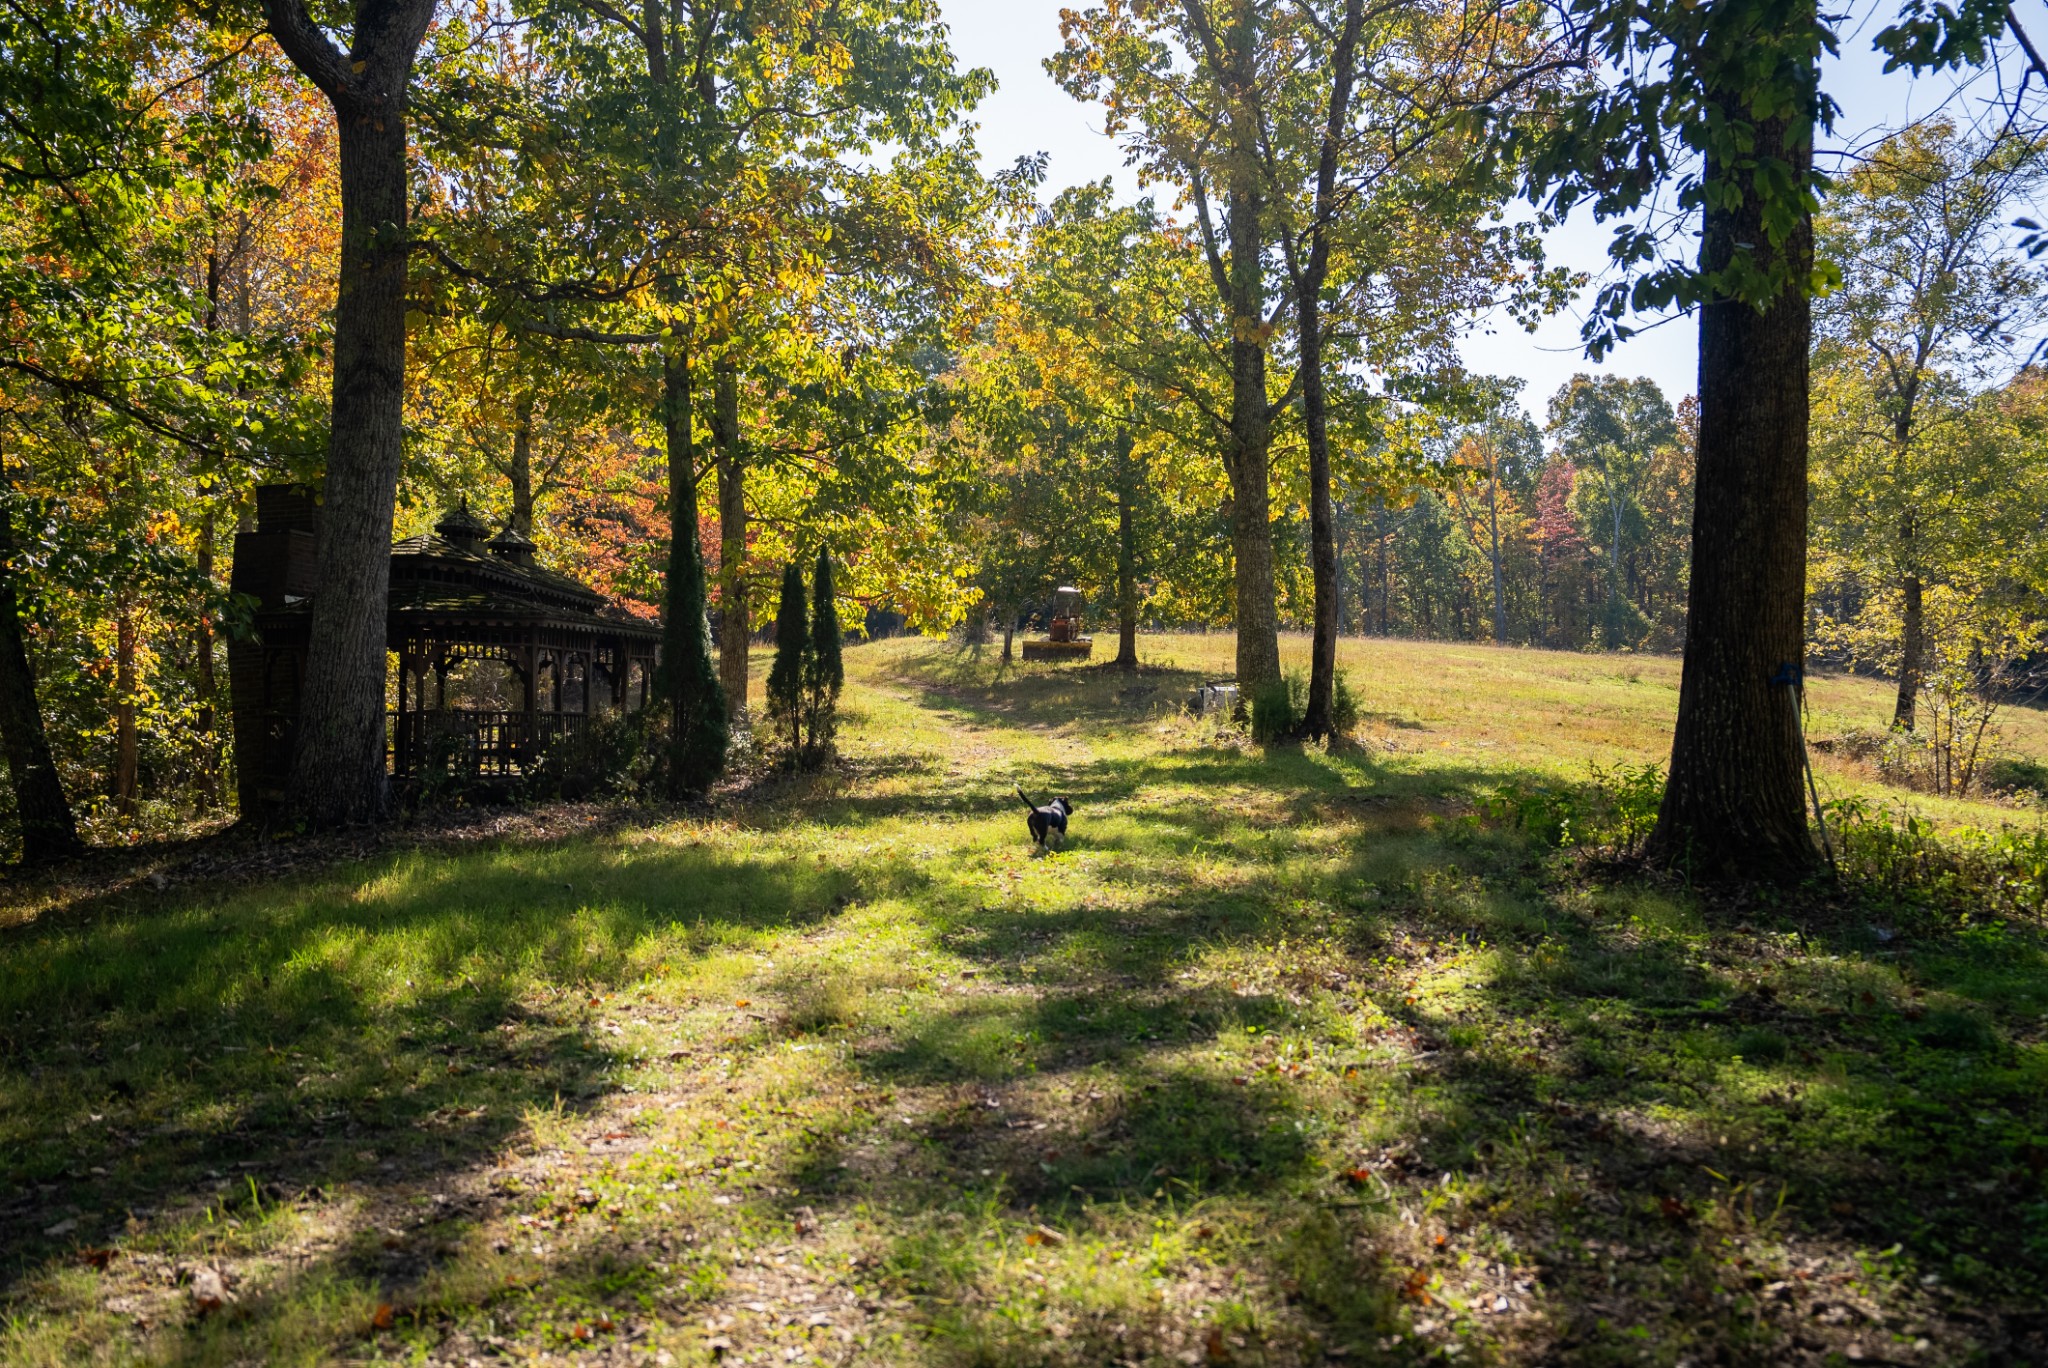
[
  {"x": 1932, "y": 300},
  {"x": 1364, "y": 164},
  {"x": 337, "y": 769},
  {"x": 1735, "y": 85},
  {"x": 1187, "y": 82}
]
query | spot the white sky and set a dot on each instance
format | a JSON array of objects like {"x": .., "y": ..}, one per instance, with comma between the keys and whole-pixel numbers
[{"x": 1029, "y": 113}]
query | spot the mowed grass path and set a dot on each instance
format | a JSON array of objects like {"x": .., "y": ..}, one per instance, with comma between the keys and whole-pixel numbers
[{"x": 1287, "y": 1058}]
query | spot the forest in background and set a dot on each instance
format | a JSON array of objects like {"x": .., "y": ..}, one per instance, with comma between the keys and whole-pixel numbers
[{"x": 760, "y": 239}]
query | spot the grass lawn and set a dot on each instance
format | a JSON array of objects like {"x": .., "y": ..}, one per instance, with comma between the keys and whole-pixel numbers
[{"x": 1287, "y": 1058}]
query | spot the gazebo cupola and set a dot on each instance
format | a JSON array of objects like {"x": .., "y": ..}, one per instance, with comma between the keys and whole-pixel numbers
[
  {"x": 510, "y": 545},
  {"x": 461, "y": 528}
]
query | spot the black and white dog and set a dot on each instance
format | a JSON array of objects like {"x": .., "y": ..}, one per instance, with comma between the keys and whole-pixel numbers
[{"x": 1050, "y": 818}]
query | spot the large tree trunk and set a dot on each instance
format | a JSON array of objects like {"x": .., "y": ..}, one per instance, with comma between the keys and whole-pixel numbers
[
  {"x": 203, "y": 681},
  {"x": 1912, "y": 646},
  {"x": 1733, "y": 807},
  {"x": 337, "y": 772},
  {"x": 1500, "y": 601},
  {"x": 1308, "y": 277},
  {"x": 1126, "y": 558},
  {"x": 1322, "y": 517},
  {"x": 47, "y": 829},
  {"x": 733, "y": 625},
  {"x": 522, "y": 464},
  {"x": 687, "y": 684},
  {"x": 1248, "y": 458},
  {"x": 127, "y": 767}
]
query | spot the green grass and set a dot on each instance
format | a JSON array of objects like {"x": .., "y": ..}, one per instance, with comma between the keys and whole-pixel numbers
[{"x": 1289, "y": 1057}]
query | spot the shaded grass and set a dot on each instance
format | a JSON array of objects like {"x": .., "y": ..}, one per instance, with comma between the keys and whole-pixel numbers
[{"x": 1289, "y": 1053}]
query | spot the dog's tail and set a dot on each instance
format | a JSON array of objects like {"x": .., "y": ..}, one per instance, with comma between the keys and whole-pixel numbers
[{"x": 1027, "y": 802}]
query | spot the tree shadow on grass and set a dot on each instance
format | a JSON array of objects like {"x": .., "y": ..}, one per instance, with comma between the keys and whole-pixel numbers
[
  {"x": 1614, "y": 1089},
  {"x": 373, "y": 1029}
]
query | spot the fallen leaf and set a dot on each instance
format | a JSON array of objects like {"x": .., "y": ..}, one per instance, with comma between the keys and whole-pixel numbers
[
  {"x": 1416, "y": 1289},
  {"x": 1674, "y": 1210},
  {"x": 96, "y": 1258},
  {"x": 383, "y": 1316},
  {"x": 1218, "y": 1351},
  {"x": 1044, "y": 1235},
  {"x": 1842, "y": 1208},
  {"x": 63, "y": 1227}
]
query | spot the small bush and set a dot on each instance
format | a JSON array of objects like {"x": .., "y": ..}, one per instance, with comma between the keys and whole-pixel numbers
[
  {"x": 1898, "y": 857},
  {"x": 824, "y": 673},
  {"x": 786, "y": 694},
  {"x": 608, "y": 756},
  {"x": 1759, "y": 1046},
  {"x": 1629, "y": 798},
  {"x": 1277, "y": 708},
  {"x": 1614, "y": 813},
  {"x": 1947, "y": 1029},
  {"x": 1344, "y": 710}
]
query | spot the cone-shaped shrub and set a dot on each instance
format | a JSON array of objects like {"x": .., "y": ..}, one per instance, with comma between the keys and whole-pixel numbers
[
  {"x": 786, "y": 677},
  {"x": 686, "y": 684},
  {"x": 825, "y": 671}
]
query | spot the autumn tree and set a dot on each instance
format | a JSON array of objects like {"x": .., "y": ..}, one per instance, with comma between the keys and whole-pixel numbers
[
  {"x": 1932, "y": 303},
  {"x": 1185, "y": 84}
]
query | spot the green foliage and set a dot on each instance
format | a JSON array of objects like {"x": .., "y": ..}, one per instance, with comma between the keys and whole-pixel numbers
[
  {"x": 1276, "y": 708},
  {"x": 607, "y": 755},
  {"x": 1344, "y": 709},
  {"x": 1612, "y": 814},
  {"x": 794, "y": 658},
  {"x": 1966, "y": 876},
  {"x": 1680, "y": 103},
  {"x": 693, "y": 734}
]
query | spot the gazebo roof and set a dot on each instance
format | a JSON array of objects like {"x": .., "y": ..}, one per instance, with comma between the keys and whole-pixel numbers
[{"x": 433, "y": 577}]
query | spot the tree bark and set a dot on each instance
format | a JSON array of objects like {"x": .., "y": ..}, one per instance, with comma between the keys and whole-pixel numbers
[
  {"x": 126, "y": 759},
  {"x": 1249, "y": 458},
  {"x": 733, "y": 624},
  {"x": 687, "y": 683},
  {"x": 1322, "y": 518},
  {"x": 1733, "y": 808},
  {"x": 203, "y": 681},
  {"x": 1912, "y": 642},
  {"x": 522, "y": 464},
  {"x": 1126, "y": 558},
  {"x": 48, "y": 831},
  {"x": 337, "y": 772},
  {"x": 1500, "y": 602},
  {"x": 1308, "y": 276}
]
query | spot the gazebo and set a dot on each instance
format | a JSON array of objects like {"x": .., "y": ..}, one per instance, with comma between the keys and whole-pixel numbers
[{"x": 455, "y": 598}]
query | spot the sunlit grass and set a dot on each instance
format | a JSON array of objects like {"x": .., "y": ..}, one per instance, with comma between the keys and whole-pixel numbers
[{"x": 1285, "y": 1054}]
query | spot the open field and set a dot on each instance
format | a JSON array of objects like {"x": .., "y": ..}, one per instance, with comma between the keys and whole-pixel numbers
[{"x": 1287, "y": 1058}]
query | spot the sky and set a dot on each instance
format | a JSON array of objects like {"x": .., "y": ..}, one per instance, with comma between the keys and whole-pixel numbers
[{"x": 1029, "y": 113}]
